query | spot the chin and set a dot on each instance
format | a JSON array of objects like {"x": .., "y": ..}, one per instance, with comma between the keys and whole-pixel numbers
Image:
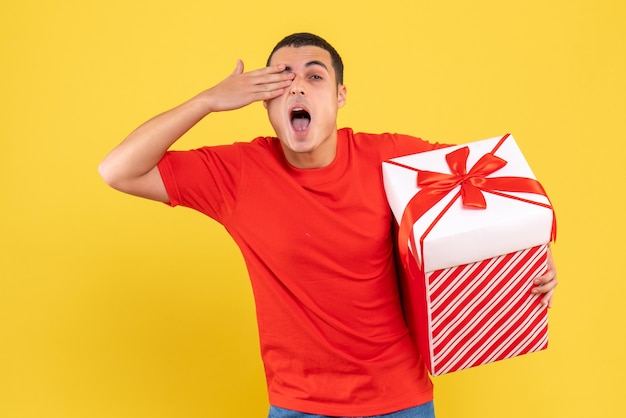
[
  {"x": 300, "y": 146},
  {"x": 298, "y": 139}
]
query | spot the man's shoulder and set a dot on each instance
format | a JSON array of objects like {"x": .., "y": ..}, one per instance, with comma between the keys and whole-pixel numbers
[
  {"x": 387, "y": 144},
  {"x": 261, "y": 150},
  {"x": 259, "y": 144},
  {"x": 370, "y": 136}
]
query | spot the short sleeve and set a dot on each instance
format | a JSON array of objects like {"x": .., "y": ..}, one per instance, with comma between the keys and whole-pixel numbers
[
  {"x": 204, "y": 179},
  {"x": 401, "y": 145}
]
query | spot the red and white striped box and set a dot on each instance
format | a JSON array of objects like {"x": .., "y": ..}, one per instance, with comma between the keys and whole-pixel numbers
[{"x": 474, "y": 225}]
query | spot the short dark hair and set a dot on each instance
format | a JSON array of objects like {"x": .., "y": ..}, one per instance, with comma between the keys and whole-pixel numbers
[{"x": 297, "y": 40}]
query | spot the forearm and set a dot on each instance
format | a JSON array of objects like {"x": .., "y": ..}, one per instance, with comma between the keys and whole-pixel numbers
[{"x": 145, "y": 146}]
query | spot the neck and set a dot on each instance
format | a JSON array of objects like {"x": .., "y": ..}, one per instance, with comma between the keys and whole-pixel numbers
[
  {"x": 306, "y": 160},
  {"x": 320, "y": 156}
]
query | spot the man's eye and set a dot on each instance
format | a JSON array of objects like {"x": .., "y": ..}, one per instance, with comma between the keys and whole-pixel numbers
[{"x": 316, "y": 77}]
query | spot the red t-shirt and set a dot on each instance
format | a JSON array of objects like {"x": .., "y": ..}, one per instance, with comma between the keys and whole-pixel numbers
[{"x": 318, "y": 247}]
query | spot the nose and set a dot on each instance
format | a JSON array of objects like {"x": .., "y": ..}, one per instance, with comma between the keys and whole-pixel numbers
[{"x": 297, "y": 88}]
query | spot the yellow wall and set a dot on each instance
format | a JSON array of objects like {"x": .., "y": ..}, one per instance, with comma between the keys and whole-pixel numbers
[{"x": 111, "y": 306}]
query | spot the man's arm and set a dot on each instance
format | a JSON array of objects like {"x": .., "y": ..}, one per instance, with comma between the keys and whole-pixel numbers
[{"x": 131, "y": 167}]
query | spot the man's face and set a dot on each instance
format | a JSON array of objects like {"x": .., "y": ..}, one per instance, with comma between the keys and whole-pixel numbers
[{"x": 305, "y": 116}]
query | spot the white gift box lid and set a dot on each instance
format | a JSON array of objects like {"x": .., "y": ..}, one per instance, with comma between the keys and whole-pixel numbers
[{"x": 466, "y": 235}]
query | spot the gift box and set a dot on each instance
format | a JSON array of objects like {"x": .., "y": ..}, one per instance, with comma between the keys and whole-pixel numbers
[{"x": 473, "y": 229}]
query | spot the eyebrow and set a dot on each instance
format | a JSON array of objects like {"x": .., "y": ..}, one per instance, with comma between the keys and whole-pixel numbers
[{"x": 310, "y": 64}]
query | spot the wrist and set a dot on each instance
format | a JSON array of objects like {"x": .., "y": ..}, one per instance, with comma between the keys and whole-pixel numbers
[{"x": 204, "y": 103}]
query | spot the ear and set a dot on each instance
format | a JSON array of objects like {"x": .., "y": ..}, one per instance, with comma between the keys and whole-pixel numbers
[{"x": 342, "y": 91}]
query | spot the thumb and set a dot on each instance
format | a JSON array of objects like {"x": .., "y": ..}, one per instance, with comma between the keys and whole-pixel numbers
[{"x": 239, "y": 68}]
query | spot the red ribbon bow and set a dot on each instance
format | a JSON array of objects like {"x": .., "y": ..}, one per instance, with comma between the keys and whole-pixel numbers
[
  {"x": 435, "y": 186},
  {"x": 471, "y": 183}
]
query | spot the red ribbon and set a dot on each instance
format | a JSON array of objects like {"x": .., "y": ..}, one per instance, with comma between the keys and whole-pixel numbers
[{"x": 435, "y": 186}]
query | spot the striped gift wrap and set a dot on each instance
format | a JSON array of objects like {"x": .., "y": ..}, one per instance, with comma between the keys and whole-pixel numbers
[{"x": 484, "y": 311}]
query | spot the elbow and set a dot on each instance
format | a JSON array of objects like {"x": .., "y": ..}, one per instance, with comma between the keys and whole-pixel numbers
[{"x": 108, "y": 174}]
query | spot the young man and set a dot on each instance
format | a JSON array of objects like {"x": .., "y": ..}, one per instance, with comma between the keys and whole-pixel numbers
[{"x": 308, "y": 211}]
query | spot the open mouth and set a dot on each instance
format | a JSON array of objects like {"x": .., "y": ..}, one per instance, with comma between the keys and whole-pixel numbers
[{"x": 300, "y": 119}]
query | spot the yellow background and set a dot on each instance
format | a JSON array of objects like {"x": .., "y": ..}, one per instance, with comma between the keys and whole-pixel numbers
[{"x": 111, "y": 306}]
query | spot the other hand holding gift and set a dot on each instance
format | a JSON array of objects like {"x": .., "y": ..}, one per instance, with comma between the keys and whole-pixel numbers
[{"x": 546, "y": 283}]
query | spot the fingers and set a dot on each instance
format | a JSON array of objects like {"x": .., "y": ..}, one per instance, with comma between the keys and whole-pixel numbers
[
  {"x": 264, "y": 71},
  {"x": 272, "y": 69},
  {"x": 268, "y": 90},
  {"x": 546, "y": 300},
  {"x": 547, "y": 291},
  {"x": 545, "y": 284},
  {"x": 241, "y": 88},
  {"x": 272, "y": 77},
  {"x": 269, "y": 82}
]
